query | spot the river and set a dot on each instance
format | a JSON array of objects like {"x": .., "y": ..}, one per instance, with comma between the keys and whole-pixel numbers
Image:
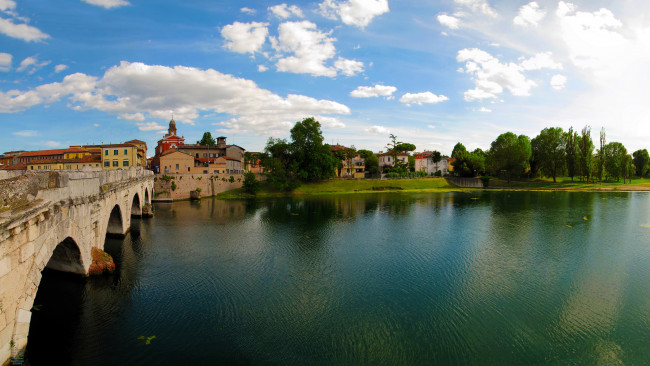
[{"x": 454, "y": 278}]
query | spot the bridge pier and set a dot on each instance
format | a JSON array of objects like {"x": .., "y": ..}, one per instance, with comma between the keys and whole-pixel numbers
[{"x": 54, "y": 219}]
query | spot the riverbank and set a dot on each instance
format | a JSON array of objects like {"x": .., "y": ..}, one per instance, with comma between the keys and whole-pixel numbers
[
  {"x": 437, "y": 185},
  {"x": 340, "y": 186}
]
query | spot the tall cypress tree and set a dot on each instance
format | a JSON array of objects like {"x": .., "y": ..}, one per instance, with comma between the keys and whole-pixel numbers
[{"x": 571, "y": 152}]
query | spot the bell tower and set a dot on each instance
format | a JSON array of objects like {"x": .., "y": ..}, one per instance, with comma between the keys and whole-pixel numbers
[{"x": 172, "y": 128}]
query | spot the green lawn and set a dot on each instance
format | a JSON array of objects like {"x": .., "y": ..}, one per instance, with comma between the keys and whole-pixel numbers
[
  {"x": 337, "y": 186},
  {"x": 564, "y": 183}
]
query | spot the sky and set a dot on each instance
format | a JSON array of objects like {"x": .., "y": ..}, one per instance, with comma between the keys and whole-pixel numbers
[{"x": 433, "y": 73}]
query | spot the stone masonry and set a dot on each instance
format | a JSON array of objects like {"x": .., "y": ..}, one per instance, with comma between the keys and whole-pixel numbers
[{"x": 53, "y": 219}]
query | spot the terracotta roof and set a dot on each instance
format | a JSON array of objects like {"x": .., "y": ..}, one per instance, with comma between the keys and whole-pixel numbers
[
  {"x": 116, "y": 145},
  {"x": 235, "y": 146},
  {"x": 85, "y": 159},
  {"x": 49, "y": 152},
  {"x": 15, "y": 167},
  {"x": 173, "y": 151},
  {"x": 135, "y": 141}
]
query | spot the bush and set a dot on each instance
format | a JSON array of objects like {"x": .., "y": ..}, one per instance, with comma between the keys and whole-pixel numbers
[
  {"x": 198, "y": 190},
  {"x": 486, "y": 181},
  {"x": 232, "y": 179},
  {"x": 251, "y": 184},
  {"x": 173, "y": 185},
  {"x": 438, "y": 173}
]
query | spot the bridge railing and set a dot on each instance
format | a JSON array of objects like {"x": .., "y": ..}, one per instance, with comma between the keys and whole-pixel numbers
[{"x": 18, "y": 189}]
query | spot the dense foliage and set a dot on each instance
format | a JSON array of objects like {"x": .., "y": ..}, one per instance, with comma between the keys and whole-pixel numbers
[{"x": 207, "y": 140}]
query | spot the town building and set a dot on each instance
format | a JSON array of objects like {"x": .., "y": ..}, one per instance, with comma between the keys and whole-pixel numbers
[
  {"x": 350, "y": 168},
  {"x": 387, "y": 160},
  {"x": 120, "y": 156},
  {"x": 424, "y": 163},
  {"x": 66, "y": 164},
  {"x": 219, "y": 159}
]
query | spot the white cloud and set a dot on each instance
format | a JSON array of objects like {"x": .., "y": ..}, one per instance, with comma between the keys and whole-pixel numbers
[
  {"x": 310, "y": 49},
  {"x": 96, "y": 124},
  {"x": 247, "y": 10},
  {"x": 478, "y": 6},
  {"x": 529, "y": 14},
  {"x": 108, "y": 4},
  {"x": 374, "y": 91},
  {"x": 491, "y": 76},
  {"x": 5, "y": 61},
  {"x": 354, "y": 12},
  {"x": 348, "y": 67},
  {"x": 420, "y": 98},
  {"x": 26, "y": 133},
  {"x": 377, "y": 130},
  {"x": 558, "y": 82},
  {"x": 592, "y": 39},
  {"x": 541, "y": 61},
  {"x": 485, "y": 110},
  {"x": 51, "y": 144},
  {"x": 262, "y": 68},
  {"x": 150, "y": 126},
  {"x": 31, "y": 65},
  {"x": 448, "y": 21},
  {"x": 245, "y": 37},
  {"x": 60, "y": 67},
  {"x": 155, "y": 91},
  {"x": 132, "y": 116},
  {"x": 283, "y": 11},
  {"x": 21, "y": 31}
]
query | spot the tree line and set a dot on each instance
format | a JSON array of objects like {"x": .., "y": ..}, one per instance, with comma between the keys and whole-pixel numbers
[{"x": 552, "y": 153}]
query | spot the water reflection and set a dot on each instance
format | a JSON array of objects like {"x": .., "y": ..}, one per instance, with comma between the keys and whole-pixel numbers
[{"x": 454, "y": 278}]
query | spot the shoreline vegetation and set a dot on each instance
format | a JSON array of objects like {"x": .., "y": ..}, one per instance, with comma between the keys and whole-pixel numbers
[{"x": 416, "y": 185}]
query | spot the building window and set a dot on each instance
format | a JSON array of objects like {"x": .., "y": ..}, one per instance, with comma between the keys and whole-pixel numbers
[
  {"x": 205, "y": 155},
  {"x": 115, "y": 152},
  {"x": 107, "y": 163},
  {"x": 105, "y": 152},
  {"x": 115, "y": 162},
  {"x": 176, "y": 166},
  {"x": 125, "y": 163},
  {"x": 197, "y": 155}
]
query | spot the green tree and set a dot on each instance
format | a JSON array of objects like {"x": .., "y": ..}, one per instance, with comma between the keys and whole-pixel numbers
[
  {"x": 548, "y": 151},
  {"x": 641, "y": 160},
  {"x": 458, "y": 150},
  {"x": 510, "y": 153},
  {"x": 251, "y": 185},
  {"x": 371, "y": 161},
  {"x": 571, "y": 150},
  {"x": 411, "y": 166},
  {"x": 585, "y": 152},
  {"x": 207, "y": 140},
  {"x": 615, "y": 160},
  {"x": 397, "y": 147},
  {"x": 279, "y": 166},
  {"x": 350, "y": 154},
  {"x": 600, "y": 156},
  {"x": 314, "y": 159},
  {"x": 469, "y": 164}
]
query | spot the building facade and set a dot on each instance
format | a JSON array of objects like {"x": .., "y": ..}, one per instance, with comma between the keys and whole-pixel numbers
[
  {"x": 119, "y": 156},
  {"x": 387, "y": 160}
]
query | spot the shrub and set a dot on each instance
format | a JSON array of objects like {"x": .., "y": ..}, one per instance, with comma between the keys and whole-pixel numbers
[
  {"x": 173, "y": 185},
  {"x": 251, "y": 184},
  {"x": 438, "y": 173},
  {"x": 486, "y": 181},
  {"x": 232, "y": 179},
  {"x": 198, "y": 190}
]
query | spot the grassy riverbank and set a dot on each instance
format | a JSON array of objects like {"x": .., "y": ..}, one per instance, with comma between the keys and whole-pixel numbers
[
  {"x": 337, "y": 186},
  {"x": 565, "y": 184}
]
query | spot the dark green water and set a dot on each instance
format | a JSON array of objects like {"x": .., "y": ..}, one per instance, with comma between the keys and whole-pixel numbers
[{"x": 454, "y": 278}]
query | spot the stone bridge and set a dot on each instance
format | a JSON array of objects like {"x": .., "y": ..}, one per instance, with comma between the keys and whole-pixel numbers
[{"x": 53, "y": 219}]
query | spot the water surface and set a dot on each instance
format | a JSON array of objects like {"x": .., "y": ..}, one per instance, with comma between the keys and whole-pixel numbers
[{"x": 394, "y": 279}]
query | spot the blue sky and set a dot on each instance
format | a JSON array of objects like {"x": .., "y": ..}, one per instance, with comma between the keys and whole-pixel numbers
[{"x": 432, "y": 72}]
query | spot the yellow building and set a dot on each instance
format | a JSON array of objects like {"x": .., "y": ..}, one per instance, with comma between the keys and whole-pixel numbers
[
  {"x": 142, "y": 151},
  {"x": 65, "y": 164},
  {"x": 119, "y": 156}
]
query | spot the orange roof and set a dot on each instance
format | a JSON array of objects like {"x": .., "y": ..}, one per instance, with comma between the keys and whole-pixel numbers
[
  {"x": 50, "y": 152},
  {"x": 85, "y": 159},
  {"x": 15, "y": 167},
  {"x": 135, "y": 142},
  {"x": 117, "y": 145}
]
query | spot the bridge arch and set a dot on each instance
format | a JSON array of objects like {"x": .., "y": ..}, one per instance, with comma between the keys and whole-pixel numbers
[
  {"x": 66, "y": 257},
  {"x": 146, "y": 195},
  {"x": 115, "y": 222},
  {"x": 136, "y": 206}
]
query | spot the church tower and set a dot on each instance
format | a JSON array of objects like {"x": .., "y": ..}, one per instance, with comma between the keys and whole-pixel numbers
[{"x": 172, "y": 128}]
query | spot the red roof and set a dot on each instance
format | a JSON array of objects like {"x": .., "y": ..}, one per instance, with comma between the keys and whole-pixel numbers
[
  {"x": 117, "y": 145},
  {"x": 15, "y": 167},
  {"x": 391, "y": 154},
  {"x": 85, "y": 159},
  {"x": 50, "y": 152}
]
